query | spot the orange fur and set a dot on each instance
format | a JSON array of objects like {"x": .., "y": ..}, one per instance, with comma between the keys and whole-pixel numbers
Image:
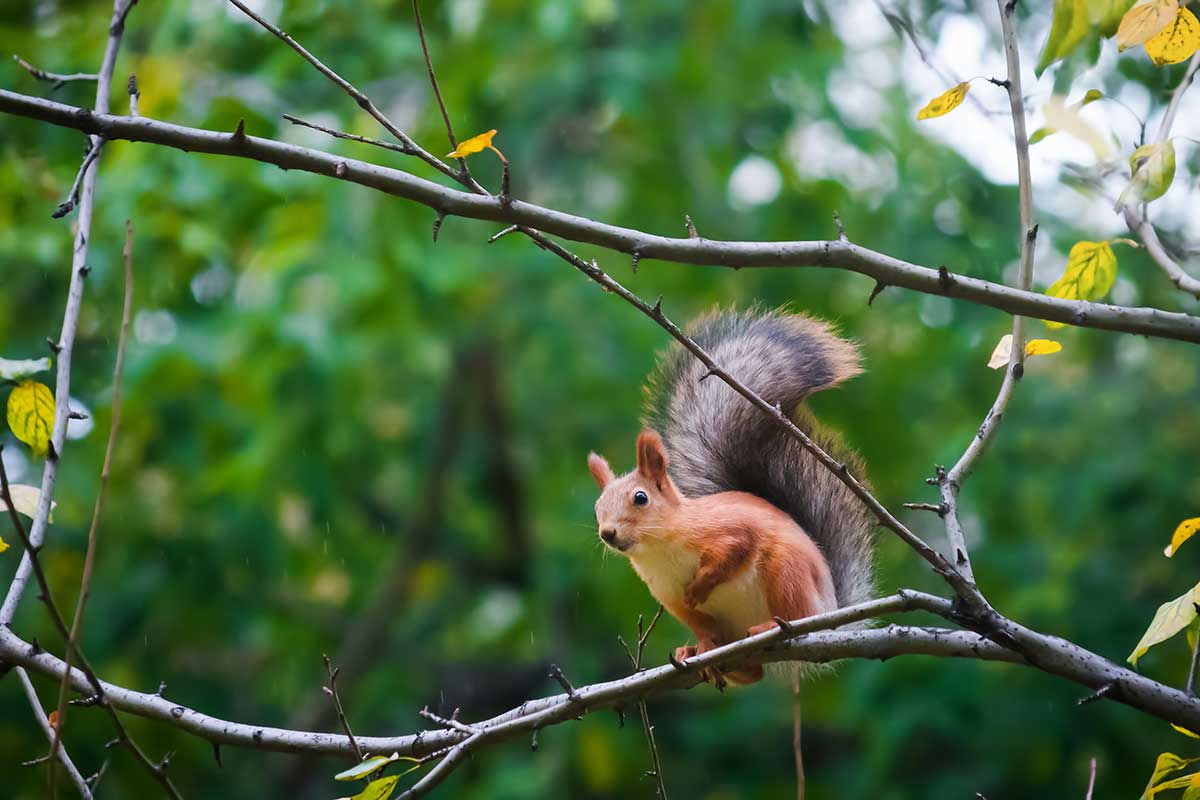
[{"x": 721, "y": 564}]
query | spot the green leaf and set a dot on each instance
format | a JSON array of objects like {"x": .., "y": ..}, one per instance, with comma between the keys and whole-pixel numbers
[
  {"x": 1152, "y": 169},
  {"x": 370, "y": 765},
  {"x": 1067, "y": 30},
  {"x": 15, "y": 370},
  {"x": 1171, "y": 617},
  {"x": 1106, "y": 14}
]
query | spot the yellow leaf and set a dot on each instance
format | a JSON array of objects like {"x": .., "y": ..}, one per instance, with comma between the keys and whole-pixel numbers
[
  {"x": 1090, "y": 273},
  {"x": 1034, "y": 347},
  {"x": 3, "y": 545},
  {"x": 1177, "y": 41},
  {"x": 1152, "y": 169},
  {"x": 377, "y": 790},
  {"x": 31, "y": 415},
  {"x": 26, "y": 499},
  {"x": 945, "y": 102},
  {"x": 1185, "y": 731},
  {"x": 1182, "y": 782},
  {"x": 1171, "y": 617},
  {"x": 1144, "y": 21},
  {"x": 1164, "y": 766},
  {"x": 476, "y": 144},
  {"x": 1041, "y": 347},
  {"x": 1186, "y": 530}
]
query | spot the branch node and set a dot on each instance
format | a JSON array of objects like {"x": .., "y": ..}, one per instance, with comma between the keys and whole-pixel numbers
[
  {"x": 557, "y": 674},
  {"x": 691, "y": 227},
  {"x": 944, "y": 279},
  {"x": 239, "y": 134},
  {"x": 340, "y": 169},
  {"x": 841, "y": 229}
]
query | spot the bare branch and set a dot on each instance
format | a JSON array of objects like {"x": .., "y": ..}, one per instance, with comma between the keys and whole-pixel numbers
[
  {"x": 823, "y": 254},
  {"x": 157, "y": 771},
  {"x": 57, "y": 78},
  {"x": 89, "y": 559},
  {"x": 51, "y": 732},
  {"x": 363, "y": 101},
  {"x": 332, "y": 691},
  {"x": 65, "y": 346},
  {"x": 1142, "y": 227},
  {"x": 350, "y": 137},
  {"x": 950, "y": 482}
]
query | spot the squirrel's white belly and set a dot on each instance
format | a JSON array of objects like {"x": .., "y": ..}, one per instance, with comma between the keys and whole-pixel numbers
[
  {"x": 665, "y": 569},
  {"x": 737, "y": 604}
]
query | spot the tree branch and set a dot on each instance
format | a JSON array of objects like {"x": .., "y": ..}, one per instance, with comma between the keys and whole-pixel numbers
[
  {"x": 65, "y": 346},
  {"x": 89, "y": 559},
  {"x": 51, "y": 732},
  {"x": 700, "y": 251},
  {"x": 1142, "y": 227}
]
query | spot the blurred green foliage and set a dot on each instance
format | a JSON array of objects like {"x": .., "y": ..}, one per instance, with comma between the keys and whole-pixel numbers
[{"x": 334, "y": 427}]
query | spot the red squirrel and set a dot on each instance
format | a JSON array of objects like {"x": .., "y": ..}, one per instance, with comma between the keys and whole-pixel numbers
[{"x": 728, "y": 520}]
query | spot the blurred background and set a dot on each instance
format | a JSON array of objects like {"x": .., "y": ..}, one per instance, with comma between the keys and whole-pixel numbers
[{"x": 339, "y": 437}]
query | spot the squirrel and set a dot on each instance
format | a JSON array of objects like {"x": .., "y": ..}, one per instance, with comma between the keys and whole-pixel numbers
[{"x": 730, "y": 522}]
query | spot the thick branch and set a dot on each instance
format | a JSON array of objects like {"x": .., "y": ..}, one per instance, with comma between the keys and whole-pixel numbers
[
  {"x": 817, "y": 647},
  {"x": 835, "y": 254}
]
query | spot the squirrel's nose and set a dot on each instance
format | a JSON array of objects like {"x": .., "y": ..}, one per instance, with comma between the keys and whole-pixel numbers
[{"x": 609, "y": 535}]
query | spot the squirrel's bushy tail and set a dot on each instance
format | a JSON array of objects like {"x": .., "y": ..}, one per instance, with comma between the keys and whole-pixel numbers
[{"x": 717, "y": 441}]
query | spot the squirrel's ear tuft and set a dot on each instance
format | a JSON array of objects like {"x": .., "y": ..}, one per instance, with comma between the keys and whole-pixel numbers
[
  {"x": 651, "y": 457},
  {"x": 600, "y": 470}
]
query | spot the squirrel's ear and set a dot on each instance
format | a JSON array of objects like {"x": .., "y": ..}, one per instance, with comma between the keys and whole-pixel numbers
[
  {"x": 651, "y": 457},
  {"x": 600, "y": 470}
]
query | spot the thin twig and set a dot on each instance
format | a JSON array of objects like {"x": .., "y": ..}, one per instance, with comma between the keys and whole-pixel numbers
[
  {"x": 363, "y": 101},
  {"x": 57, "y": 78},
  {"x": 51, "y": 732},
  {"x": 437, "y": 90},
  {"x": 89, "y": 559},
  {"x": 157, "y": 771},
  {"x": 1091, "y": 779},
  {"x": 656, "y": 769},
  {"x": 350, "y": 137},
  {"x": 332, "y": 691},
  {"x": 1183, "y": 280},
  {"x": 93, "y": 152},
  {"x": 1191, "y": 678},
  {"x": 65, "y": 346}
]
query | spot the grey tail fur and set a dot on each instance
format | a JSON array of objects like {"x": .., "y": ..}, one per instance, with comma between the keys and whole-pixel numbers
[{"x": 717, "y": 441}]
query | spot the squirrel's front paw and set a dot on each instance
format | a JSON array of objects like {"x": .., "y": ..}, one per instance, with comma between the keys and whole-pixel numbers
[{"x": 684, "y": 653}]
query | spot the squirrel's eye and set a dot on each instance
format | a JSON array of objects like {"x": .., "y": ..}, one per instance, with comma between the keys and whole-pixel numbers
[{"x": 640, "y": 498}]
